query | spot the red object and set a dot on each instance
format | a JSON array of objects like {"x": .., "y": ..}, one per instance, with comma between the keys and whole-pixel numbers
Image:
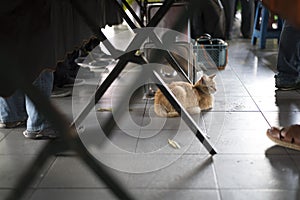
[{"x": 287, "y": 9}]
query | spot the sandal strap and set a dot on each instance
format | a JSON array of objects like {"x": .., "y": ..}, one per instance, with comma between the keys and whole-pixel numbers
[
  {"x": 292, "y": 134},
  {"x": 281, "y": 137}
]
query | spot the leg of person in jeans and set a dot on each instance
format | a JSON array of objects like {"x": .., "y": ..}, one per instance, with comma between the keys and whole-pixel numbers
[
  {"x": 13, "y": 111},
  {"x": 288, "y": 66},
  {"x": 37, "y": 125},
  {"x": 288, "y": 63}
]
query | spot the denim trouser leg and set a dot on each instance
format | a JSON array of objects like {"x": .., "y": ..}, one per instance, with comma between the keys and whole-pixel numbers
[
  {"x": 36, "y": 121},
  {"x": 288, "y": 63},
  {"x": 12, "y": 109}
]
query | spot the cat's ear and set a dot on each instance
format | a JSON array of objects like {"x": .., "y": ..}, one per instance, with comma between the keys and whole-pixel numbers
[
  {"x": 212, "y": 76},
  {"x": 199, "y": 82}
]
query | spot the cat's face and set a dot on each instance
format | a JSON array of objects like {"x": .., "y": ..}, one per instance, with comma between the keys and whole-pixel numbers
[{"x": 207, "y": 84}]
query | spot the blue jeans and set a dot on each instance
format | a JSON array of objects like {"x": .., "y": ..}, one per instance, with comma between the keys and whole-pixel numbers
[
  {"x": 288, "y": 62},
  {"x": 19, "y": 107}
]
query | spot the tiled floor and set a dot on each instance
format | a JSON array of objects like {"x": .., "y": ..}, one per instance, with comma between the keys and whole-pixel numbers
[{"x": 137, "y": 153}]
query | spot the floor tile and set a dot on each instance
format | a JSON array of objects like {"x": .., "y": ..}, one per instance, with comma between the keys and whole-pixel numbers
[
  {"x": 175, "y": 194},
  {"x": 16, "y": 144},
  {"x": 3, "y": 133},
  {"x": 282, "y": 118},
  {"x": 153, "y": 122},
  {"x": 93, "y": 194},
  {"x": 159, "y": 143},
  {"x": 70, "y": 172},
  {"x": 264, "y": 88},
  {"x": 117, "y": 141},
  {"x": 259, "y": 194},
  {"x": 127, "y": 120},
  {"x": 216, "y": 122},
  {"x": 5, "y": 193},
  {"x": 287, "y": 101},
  {"x": 72, "y": 194},
  {"x": 231, "y": 90},
  {"x": 244, "y": 142},
  {"x": 187, "y": 172},
  {"x": 13, "y": 166},
  {"x": 256, "y": 172},
  {"x": 233, "y": 103}
]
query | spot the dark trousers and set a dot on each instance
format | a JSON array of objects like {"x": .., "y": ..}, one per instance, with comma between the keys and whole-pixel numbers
[
  {"x": 207, "y": 17},
  {"x": 248, "y": 11},
  {"x": 288, "y": 62}
]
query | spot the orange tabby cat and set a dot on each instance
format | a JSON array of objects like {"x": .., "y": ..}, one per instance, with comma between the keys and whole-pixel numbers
[{"x": 193, "y": 98}]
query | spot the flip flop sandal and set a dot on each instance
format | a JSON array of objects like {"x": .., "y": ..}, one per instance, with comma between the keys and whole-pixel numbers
[{"x": 290, "y": 140}]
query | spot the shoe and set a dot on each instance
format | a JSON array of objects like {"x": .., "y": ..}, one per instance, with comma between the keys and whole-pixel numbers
[
  {"x": 12, "y": 124},
  {"x": 60, "y": 92},
  {"x": 288, "y": 87},
  {"x": 43, "y": 134},
  {"x": 282, "y": 84},
  {"x": 71, "y": 82}
]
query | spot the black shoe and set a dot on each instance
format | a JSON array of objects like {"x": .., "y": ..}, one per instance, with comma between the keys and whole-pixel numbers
[
  {"x": 12, "y": 124},
  {"x": 288, "y": 88},
  {"x": 284, "y": 85}
]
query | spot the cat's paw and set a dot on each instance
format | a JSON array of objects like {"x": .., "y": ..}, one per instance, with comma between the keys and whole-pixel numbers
[
  {"x": 206, "y": 108},
  {"x": 172, "y": 114}
]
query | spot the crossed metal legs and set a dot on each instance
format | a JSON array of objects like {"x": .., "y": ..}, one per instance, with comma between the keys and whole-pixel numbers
[{"x": 70, "y": 139}]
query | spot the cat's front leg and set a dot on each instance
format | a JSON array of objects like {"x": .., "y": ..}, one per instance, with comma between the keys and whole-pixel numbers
[
  {"x": 193, "y": 110},
  {"x": 207, "y": 107},
  {"x": 172, "y": 114},
  {"x": 207, "y": 104}
]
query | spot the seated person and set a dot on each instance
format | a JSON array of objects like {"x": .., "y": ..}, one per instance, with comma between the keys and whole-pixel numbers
[
  {"x": 18, "y": 110},
  {"x": 288, "y": 78}
]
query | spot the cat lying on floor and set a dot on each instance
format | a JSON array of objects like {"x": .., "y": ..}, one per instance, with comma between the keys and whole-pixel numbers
[{"x": 193, "y": 98}]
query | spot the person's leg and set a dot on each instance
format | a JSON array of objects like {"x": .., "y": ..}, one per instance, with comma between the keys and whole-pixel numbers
[
  {"x": 197, "y": 21},
  {"x": 12, "y": 110},
  {"x": 36, "y": 121},
  {"x": 229, "y": 7},
  {"x": 214, "y": 19},
  {"x": 248, "y": 10},
  {"x": 61, "y": 74},
  {"x": 207, "y": 17},
  {"x": 288, "y": 62}
]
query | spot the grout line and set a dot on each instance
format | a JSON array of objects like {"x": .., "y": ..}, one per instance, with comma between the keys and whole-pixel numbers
[
  {"x": 142, "y": 121},
  {"x": 47, "y": 169},
  {"x": 259, "y": 110},
  {"x": 216, "y": 180},
  {"x": 5, "y": 135}
]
